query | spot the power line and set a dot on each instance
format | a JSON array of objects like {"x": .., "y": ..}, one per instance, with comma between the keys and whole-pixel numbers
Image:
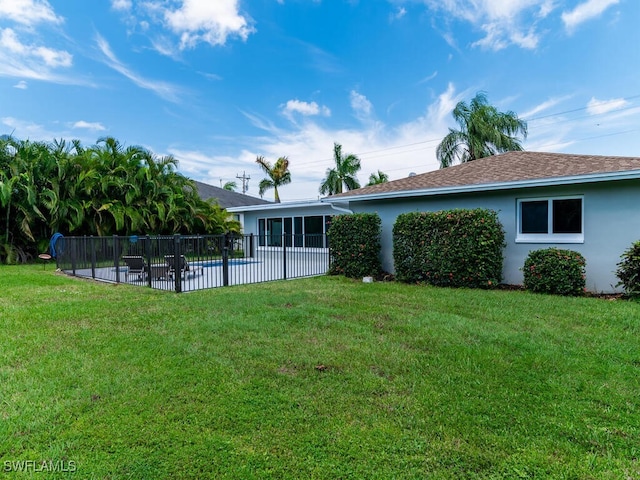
[
  {"x": 583, "y": 108},
  {"x": 425, "y": 142},
  {"x": 375, "y": 151},
  {"x": 592, "y": 137}
]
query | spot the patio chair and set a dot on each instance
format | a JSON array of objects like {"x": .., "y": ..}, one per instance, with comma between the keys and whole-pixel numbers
[
  {"x": 184, "y": 266},
  {"x": 135, "y": 266}
]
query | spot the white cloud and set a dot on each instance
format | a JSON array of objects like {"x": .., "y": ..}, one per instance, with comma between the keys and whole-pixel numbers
[
  {"x": 399, "y": 13},
  {"x": 598, "y": 107},
  {"x": 22, "y": 85},
  {"x": 501, "y": 34},
  {"x": 504, "y": 22},
  {"x": 360, "y": 105},
  {"x": 184, "y": 24},
  {"x": 10, "y": 41},
  {"x": 29, "y": 130},
  {"x": 124, "y": 5},
  {"x": 546, "y": 8},
  {"x": 430, "y": 77},
  {"x": 18, "y": 59},
  {"x": 211, "y": 76},
  {"x": 585, "y": 11},
  {"x": 28, "y": 12},
  {"x": 571, "y": 130},
  {"x": 322, "y": 60},
  {"x": 552, "y": 102},
  {"x": 305, "y": 108},
  {"x": 54, "y": 58},
  {"x": 162, "y": 89},
  {"x": 89, "y": 125},
  {"x": 211, "y": 22},
  {"x": 26, "y": 130}
]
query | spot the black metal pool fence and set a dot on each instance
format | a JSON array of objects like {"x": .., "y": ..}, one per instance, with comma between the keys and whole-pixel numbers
[{"x": 184, "y": 263}]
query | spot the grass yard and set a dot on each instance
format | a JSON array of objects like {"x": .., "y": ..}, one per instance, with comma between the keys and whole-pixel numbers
[{"x": 314, "y": 378}]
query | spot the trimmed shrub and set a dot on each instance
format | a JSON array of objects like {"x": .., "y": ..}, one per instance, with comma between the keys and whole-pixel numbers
[
  {"x": 354, "y": 241},
  {"x": 452, "y": 248},
  {"x": 629, "y": 271},
  {"x": 556, "y": 271}
]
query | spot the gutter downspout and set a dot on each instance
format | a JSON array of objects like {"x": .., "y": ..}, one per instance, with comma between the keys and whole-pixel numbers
[{"x": 340, "y": 209}]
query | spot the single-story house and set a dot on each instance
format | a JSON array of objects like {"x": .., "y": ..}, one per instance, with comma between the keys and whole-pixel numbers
[{"x": 586, "y": 203}]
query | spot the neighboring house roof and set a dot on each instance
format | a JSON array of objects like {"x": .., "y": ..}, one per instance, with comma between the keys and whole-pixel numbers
[
  {"x": 507, "y": 170},
  {"x": 227, "y": 198}
]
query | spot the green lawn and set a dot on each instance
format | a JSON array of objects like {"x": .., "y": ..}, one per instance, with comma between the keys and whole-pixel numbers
[{"x": 315, "y": 378}]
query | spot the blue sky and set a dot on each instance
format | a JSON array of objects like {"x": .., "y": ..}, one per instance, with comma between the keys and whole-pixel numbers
[{"x": 216, "y": 83}]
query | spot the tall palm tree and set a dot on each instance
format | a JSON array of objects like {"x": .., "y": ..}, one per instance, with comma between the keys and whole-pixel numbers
[
  {"x": 484, "y": 131},
  {"x": 278, "y": 174},
  {"x": 344, "y": 173},
  {"x": 378, "y": 178}
]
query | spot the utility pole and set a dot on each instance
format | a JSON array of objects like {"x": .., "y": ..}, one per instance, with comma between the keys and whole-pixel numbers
[{"x": 245, "y": 181}]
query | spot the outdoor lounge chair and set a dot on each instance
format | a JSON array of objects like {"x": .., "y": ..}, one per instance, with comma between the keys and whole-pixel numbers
[
  {"x": 184, "y": 266},
  {"x": 135, "y": 266}
]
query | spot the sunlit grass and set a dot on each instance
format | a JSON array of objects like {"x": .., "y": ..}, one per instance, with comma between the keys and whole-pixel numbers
[{"x": 316, "y": 378}]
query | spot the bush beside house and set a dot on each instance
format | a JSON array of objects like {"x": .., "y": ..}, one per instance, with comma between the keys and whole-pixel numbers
[
  {"x": 453, "y": 248},
  {"x": 555, "y": 271},
  {"x": 355, "y": 245},
  {"x": 629, "y": 271}
]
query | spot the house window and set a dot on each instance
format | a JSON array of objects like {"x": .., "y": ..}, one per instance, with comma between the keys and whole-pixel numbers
[
  {"x": 314, "y": 231},
  {"x": 307, "y": 231},
  {"x": 551, "y": 220}
]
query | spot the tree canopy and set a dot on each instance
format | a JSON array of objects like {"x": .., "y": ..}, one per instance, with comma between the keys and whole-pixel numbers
[
  {"x": 484, "y": 131},
  {"x": 104, "y": 189},
  {"x": 343, "y": 174},
  {"x": 230, "y": 186},
  {"x": 377, "y": 178},
  {"x": 278, "y": 175}
]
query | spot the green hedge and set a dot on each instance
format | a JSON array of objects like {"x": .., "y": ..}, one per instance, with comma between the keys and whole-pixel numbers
[
  {"x": 629, "y": 271},
  {"x": 556, "y": 271},
  {"x": 355, "y": 245},
  {"x": 453, "y": 248}
]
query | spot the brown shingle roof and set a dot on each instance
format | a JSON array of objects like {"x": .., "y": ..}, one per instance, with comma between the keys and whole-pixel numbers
[{"x": 504, "y": 168}]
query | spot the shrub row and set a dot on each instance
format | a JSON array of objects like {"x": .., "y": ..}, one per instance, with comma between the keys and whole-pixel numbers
[
  {"x": 461, "y": 248},
  {"x": 453, "y": 248},
  {"x": 355, "y": 245}
]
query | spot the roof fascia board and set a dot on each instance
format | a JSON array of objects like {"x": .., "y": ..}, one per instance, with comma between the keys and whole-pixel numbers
[
  {"x": 276, "y": 206},
  {"x": 543, "y": 182}
]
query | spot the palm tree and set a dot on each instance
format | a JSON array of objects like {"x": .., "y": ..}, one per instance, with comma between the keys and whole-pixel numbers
[
  {"x": 230, "y": 186},
  {"x": 377, "y": 178},
  {"x": 278, "y": 174},
  {"x": 484, "y": 131},
  {"x": 344, "y": 173}
]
